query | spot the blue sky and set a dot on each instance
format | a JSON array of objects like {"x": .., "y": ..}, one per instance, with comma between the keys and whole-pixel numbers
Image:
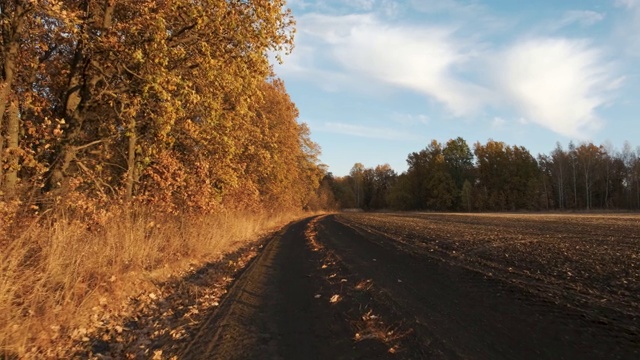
[{"x": 378, "y": 79}]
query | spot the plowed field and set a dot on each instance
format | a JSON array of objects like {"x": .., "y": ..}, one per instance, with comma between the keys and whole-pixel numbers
[{"x": 427, "y": 286}]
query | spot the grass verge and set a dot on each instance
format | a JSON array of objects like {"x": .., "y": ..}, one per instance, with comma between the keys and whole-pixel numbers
[{"x": 56, "y": 267}]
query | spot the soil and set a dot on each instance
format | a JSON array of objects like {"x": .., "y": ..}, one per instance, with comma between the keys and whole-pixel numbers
[{"x": 415, "y": 286}]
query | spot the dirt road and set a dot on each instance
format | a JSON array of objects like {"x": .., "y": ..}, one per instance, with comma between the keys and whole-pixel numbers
[{"x": 348, "y": 286}]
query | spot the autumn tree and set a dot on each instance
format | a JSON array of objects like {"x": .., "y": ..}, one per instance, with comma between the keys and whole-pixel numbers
[
  {"x": 507, "y": 178},
  {"x": 588, "y": 156},
  {"x": 384, "y": 178},
  {"x": 400, "y": 194},
  {"x": 573, "y": 158},
  {"x": 356, "y": 176},
  {"x": 491, "y": 162},
  {"x": 549, "y": 188},
  {"x": 155, "y": 86},
  {"x": 560, "y": 173},
  {"x": 509, "y": 175},
  {"x": 324, "y": 198},
  {"x": 605, "y": 176},
  {"x": 15, "y": 15},
  {"x": 171, "y": 104},
  {"x": 458, "y": 158},
  {"x": 343, "y": 192},
  {"x": 425, "y": 168},
  {"x": 25, "y": 112},
  {"x": 634, "y": 179},
  {"x": 631, "y": 161},
  {"x": 466, "y": 195}
]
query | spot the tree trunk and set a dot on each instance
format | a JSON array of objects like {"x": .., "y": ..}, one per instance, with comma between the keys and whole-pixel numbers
[
  {"x": 1, "y": 159},
  {"x": 13, "y": 140},
  {"x": 606, "y": 192},
  {"x": 74, "y": 119},
  {"x": 575, "y": 185},
  {"x": 11, "y": 32},
  {"x": 637, "y": 194},
  {"x": 587, "y": 190},
  {"x": 77, "y": 95},
  {"x": 560, "y": 188},
  {"x": 131, "y": 160}
]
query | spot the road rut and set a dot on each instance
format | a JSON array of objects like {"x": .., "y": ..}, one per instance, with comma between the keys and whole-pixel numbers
[{"x": 280, "y": 309}]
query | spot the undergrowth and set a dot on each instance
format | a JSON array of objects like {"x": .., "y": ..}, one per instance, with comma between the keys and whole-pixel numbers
[{"x": 55, "y": 266}]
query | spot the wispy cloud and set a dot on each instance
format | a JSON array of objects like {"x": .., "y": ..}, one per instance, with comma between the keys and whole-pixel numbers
[
  {"x": 410, "y": 119},
  {"x": 581, "y": 17},
  {"x": 436, "y": 6},
  {"x": 557, "y": 83},
  {"x": 629, "y": 28},
  {"x": 498, "y": 122},
  {"x": 366, "y": 131},
  {"x": 423, "y": 59},
  {"x": 364, "y": 5},
  {"x": 628, "y": 3}
]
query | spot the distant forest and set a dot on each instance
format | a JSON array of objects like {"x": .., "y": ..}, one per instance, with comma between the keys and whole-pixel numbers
[{"x": 497, "y": 177}]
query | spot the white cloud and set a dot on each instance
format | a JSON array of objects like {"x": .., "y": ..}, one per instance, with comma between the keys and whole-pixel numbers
[
  {"x": 409, "y": 119},
  {"x": 366, "y": 131},
  {"x": 582, "y": 17},
  {"x": 458, "y": 7},
  {"x": 553, "y": 82},
  {"x": 498, "y": 122},
  {"x": 628, "y": 3},
  {"x": 390, "y": 8},
  {"x": 423, "y": 59},
  {"x": 557, "y": 83},
  {"x": 365, "y": 5},
  {"x": 628, "y": 26}
]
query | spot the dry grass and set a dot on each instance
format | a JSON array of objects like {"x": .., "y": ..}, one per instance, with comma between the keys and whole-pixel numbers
[{"x": 54, "y": 268}]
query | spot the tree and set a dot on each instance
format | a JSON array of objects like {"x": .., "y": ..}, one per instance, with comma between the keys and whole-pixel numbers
[
  {"x": 400, "y": 194},
  {"x": 458, "y": 158},
  {"x": 15, "y": 14},
  {"x": 560, "y": 160},
  {"x": 27, "y": 45},
  {"x": 467, "y": 195},
  {"x": 546, "y": 165},
  {"x": 343, "y": 192},
  {"x": 383, "y": 179},
  {"x": 635, "y": 176},
  {"x": 492, "y": 165},
  {"x": 423, "y": 166},
  {"x": 507, "y": 178},
  {"x": 574, "y": 163},
  {"x": 442, "y": 191},
  {"x": 505, "y": 174},
  {"x": 632, "y": 175},
  {"x": 357, "y": 178},
  {"x": 587, "y": 156},
  {"x": 171, "y": 104}
]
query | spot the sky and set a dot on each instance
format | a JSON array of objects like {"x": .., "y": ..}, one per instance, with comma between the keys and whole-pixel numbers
[{"x": 378, "y": 79}]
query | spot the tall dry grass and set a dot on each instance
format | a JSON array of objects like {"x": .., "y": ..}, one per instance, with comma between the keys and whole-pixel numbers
[{"x": 54, "y": 267}]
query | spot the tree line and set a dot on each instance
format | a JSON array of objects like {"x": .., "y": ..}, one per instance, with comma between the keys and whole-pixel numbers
[
  {"x": 167, "y": 103},
  {"x": 497, "y": 177}
]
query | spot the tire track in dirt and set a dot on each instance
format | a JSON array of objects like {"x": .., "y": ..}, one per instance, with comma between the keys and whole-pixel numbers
[
  {"x": 327, "y": 289},
  {"x": 231, "y": 332},
  {"x": 462, "y": 313},
  {"x": 282, "y": 307}
]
